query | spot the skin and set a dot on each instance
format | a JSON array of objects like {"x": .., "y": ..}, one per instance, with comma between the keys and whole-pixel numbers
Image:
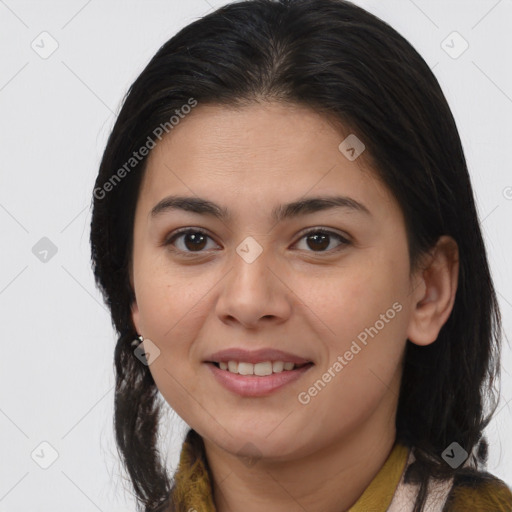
[{"x": 294, "y": 297}]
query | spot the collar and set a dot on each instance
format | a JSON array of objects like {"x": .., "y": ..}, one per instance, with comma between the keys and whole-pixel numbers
[{"x": 378, "y": 495}]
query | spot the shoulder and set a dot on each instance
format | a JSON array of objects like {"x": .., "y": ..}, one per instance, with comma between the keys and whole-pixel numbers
[{"x": 478, "y": 491}]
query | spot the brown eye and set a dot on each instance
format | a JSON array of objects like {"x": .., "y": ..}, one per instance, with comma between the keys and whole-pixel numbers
[
  {"x": 195, "y": 241},
  {"x": 319, "y": 240},
  {"x": 192, "y": 240}
]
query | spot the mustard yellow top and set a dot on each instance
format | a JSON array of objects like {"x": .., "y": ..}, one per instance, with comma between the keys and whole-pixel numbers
[
  {"x": 378, "y": 495},
  {"x": 474, "y": 491},
  {"x": 193, "y": 486}
]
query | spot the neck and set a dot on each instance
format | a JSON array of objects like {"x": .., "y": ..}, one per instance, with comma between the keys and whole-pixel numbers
[{"x": 331, "y": 479}]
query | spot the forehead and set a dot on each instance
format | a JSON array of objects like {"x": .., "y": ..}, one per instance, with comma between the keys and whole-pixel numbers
[
  {"x": 256, "y": 153},
  {"x": 261, "y": 132}
]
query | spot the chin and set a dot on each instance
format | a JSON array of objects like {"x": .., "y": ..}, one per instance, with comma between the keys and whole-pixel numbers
[{"x": 248, "y": 444}]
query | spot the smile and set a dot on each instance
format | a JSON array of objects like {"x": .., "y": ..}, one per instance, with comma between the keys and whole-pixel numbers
[
  {"x": 256, "y": 380},
  {"x": 260, "y": 369}
]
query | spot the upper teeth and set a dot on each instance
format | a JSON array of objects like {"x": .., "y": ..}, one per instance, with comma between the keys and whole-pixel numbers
[{"x": 260, "y": 369}]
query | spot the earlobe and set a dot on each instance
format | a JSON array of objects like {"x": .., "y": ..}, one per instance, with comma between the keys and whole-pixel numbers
[
  {"x": 134, "y": 306},
  {"x": 135, "y": 315},
  {"x": 434, "y": 296}
]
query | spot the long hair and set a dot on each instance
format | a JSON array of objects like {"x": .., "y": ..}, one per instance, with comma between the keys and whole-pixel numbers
[{"x": 347, "y": 64}]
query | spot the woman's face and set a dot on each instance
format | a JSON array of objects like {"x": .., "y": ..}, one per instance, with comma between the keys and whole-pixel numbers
[{"x": 252, "y": 281}]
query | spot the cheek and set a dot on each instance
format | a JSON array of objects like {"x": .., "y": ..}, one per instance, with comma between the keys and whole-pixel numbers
[
  {"x": 369, "y": 344},
  {"x": 163, "y": 293},
  {"x": 170, "y": 303},
  {"x": 355, "y": 298}
]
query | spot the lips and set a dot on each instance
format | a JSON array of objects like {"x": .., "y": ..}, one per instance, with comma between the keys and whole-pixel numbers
[
  {"x": 254, "y": 386},
  {"x": 255, "y": 356}
]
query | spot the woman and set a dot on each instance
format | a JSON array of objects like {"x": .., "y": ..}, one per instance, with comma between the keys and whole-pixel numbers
[{"x": 285, "y": 232}]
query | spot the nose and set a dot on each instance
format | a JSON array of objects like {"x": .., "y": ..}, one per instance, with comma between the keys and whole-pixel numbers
[{"x": 254, "y": 292}]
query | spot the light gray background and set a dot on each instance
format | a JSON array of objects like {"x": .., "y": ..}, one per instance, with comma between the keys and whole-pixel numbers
[{"x": 55, "y": 115}]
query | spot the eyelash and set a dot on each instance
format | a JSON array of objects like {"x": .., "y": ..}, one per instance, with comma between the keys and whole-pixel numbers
[{"x": 170, "y": 240}]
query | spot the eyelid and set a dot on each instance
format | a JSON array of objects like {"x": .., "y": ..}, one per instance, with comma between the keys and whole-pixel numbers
[
  {"x": 345, "y": 237},
  {"x": 170, "y": 238}
]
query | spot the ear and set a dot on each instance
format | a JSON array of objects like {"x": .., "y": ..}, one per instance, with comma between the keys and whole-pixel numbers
[
  {"x": 434, "y": 292},
  {"x": 135, "y": 316},
  {"x": 134, "y": 306}
]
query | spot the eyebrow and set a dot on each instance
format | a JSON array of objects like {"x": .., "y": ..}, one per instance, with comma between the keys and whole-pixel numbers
[{"x": 281, "y": 212}]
